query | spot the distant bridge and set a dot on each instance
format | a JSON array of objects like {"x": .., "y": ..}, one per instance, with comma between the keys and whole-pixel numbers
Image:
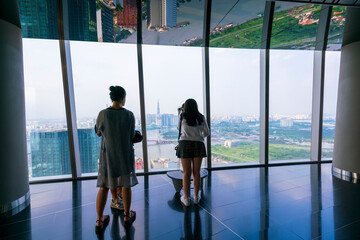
[{"x": 158, "y": 142}]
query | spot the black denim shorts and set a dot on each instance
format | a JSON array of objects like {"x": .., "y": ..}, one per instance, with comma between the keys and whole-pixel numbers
[{"x": 191, "y": 149}]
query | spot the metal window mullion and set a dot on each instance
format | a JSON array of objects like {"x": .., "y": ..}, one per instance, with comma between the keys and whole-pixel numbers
[
  {"x": 317, "y": 106},
  {"x": 68, "y": 89},
  {"x": 264, "y": 82},
  {"x": 318, "y": 83},
  {"x": 206, "y": 74},
  {"x": 141, "y": 87}
]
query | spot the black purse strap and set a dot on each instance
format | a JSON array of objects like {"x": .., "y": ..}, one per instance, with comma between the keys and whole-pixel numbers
[{"x": 181, "y": 118}]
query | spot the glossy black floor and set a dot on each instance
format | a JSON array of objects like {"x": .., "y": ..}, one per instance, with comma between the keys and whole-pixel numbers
[{"x": 288, "y": 202}]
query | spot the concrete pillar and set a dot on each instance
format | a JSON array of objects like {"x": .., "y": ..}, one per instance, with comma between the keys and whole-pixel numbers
[
  {"x": 14, "y": 178},
  {"x": 346, "y": 161}
]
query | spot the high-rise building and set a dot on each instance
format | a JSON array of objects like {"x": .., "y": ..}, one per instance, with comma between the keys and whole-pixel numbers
[
  {"x": 105, "y": 23},
  {"x": 169, "y": 13},
  {"x": 163, "y": 13},
  {"x": 50, "y": 152},
  {"x": 155, "y": 13},
  {"x": 165, "y": 120},
  {"x": 127, "y": 17},
  {"x": 158, "y": 115},
  {"x": 158, "y": 108},
  {"x": 287, "y": 122},
  {"x": 89, "y": 147},
  {"x": 169, "y": 120},
  {"x": 39, "y": 19},
  {"x": 150, "y": 119},
  {"x": 82, "y": 20}
]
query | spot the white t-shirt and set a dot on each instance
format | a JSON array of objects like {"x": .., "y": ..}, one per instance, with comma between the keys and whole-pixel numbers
[{"x": 193, "y": 133}]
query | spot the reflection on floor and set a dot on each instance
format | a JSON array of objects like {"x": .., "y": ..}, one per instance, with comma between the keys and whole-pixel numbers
[{"x": 289, "y": 202}]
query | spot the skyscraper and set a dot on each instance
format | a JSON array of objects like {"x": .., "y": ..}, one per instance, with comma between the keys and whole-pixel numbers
[
  {"x": 50, "y": 152},
  {"x": 39, "y": 19},
  {"x": 105, "y": 23},
  {"x": 150, "y": 119},
  {"x": 82, "y": 20},
  {"x": 158, "y": 108},
  {"x": 127, "y": 17},
  {"x": 155, "y": 13},
  {"x": 158, "y": 116},
  {"x": 163, "y": 13},
  {"x": 169, "y": 13},
  {"x": 89, "y": 147},
  {"x": 169, "y": 120}
]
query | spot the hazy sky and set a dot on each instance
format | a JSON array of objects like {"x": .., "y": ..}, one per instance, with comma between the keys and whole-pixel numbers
[{"x": 171, "y": 75}]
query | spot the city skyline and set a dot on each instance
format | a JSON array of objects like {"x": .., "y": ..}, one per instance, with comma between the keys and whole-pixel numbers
[{"x": 93, "y": 76}]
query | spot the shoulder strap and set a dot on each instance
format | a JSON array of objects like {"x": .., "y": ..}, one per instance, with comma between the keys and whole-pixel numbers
[{"x": 181, "y": 118}]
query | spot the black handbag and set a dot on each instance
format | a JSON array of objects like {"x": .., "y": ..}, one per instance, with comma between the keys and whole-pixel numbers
[
  {"x": 137, "y": 138},
  {"x": 177, "y": 150}
]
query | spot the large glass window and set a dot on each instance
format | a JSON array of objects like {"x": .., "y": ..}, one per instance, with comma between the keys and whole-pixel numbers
[
  {"x": 331, "y": 82},
  {"x": 96, "y": 67},
  {"x": 234, "y": 82},
  {"x": 46, "y": 127},
  {"x": 173, "y": 22},
  {"x": 236, "y": 23},
  {"x": 291, "y": 75},
  {"x": 171, "y": 75},
  {"x": 295, "y": 25}
]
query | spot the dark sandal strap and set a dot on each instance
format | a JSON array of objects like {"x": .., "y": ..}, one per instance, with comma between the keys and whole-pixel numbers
[
  {"x": 101, "y": 221},
  {"x": 131, "y": 211}
]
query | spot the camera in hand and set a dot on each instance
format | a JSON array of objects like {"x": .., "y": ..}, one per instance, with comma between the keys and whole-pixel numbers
[{"x": 180, "y": 109}]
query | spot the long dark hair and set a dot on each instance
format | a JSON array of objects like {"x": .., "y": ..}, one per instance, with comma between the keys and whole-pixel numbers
[{"x": 191, "y": 113}]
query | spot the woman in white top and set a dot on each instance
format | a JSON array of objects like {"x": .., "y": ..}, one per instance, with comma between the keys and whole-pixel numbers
[{"x": 193, "y": 129}]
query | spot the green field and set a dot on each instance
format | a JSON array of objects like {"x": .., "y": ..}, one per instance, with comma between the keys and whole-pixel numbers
[
  {"x": 287, "y": 32},
  {"x": 249, "y": 152},
  {"x": 246, "y": 35}
]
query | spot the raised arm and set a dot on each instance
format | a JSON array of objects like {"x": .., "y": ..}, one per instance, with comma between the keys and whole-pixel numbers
[{"x": 179, "y": 120}]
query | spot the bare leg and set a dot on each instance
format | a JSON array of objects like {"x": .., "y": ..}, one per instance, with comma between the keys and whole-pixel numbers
[
  {"x": 127, "y": 201},
  {"x": 100, "y": 204},
  {"x": 186, "y": 164},
  {"x": 114, "y": 194},
  {"x": 196, "y": 174},
  {"x": 119, "y": 191}
]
